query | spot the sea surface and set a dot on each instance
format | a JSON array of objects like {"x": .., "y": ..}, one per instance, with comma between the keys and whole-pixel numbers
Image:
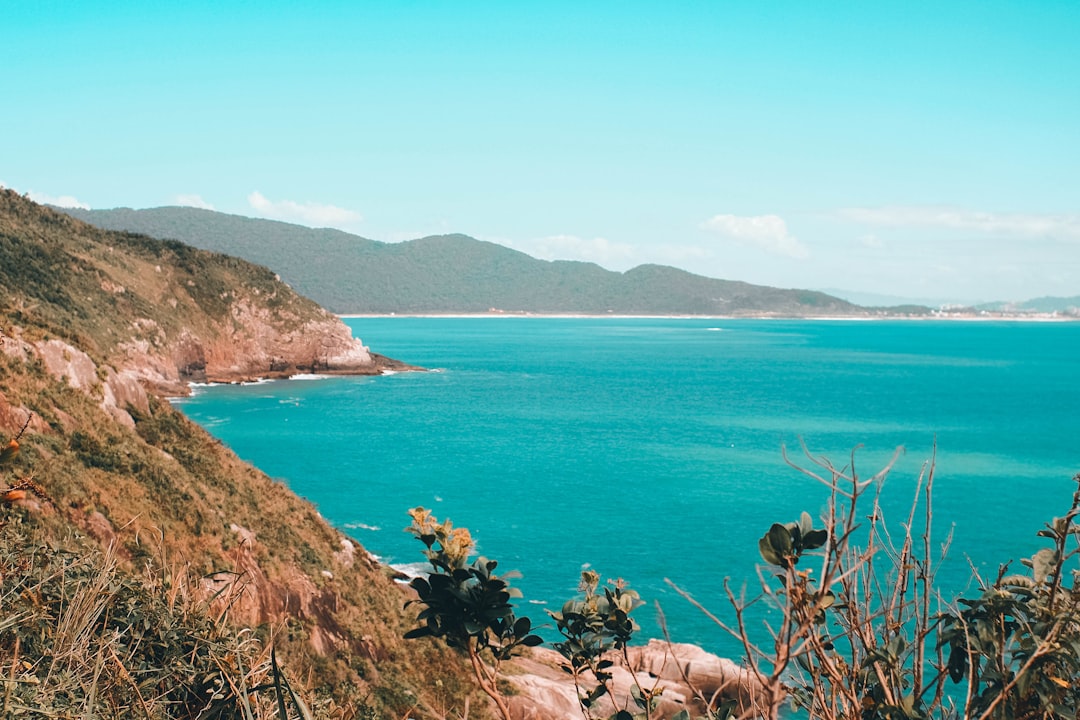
[{"x": 654, "y": 448}]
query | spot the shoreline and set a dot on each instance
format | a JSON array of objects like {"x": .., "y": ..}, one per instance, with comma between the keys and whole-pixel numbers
[{"x": 1033, "y": 318}]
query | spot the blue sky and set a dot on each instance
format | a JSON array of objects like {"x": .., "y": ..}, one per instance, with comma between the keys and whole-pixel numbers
[{"x": 926, "y": 150}]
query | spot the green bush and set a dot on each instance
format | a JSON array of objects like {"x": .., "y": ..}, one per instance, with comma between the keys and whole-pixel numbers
[{"x": 467, "y": 606}]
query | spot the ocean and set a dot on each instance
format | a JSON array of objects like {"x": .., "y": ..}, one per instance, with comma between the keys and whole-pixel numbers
[{"x": 648, "y": 449}]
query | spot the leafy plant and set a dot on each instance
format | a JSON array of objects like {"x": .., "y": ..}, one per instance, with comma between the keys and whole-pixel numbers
[
  {"x": 863, "y": 632},
  {"x": 467, "y": 606},
  {"x": 596, "y": 629},
  {"x": 783, "y": 545},
  {"x": 1017, "y": 645}
]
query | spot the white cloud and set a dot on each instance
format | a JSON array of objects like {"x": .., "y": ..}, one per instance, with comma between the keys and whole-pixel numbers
[
  {"x": 872, "y": 241},
  {"x": 1014, "y": 224},
  {"x": 599, "y": 250},
  {"x": 611, "y": 255},
  {"x": 768, "y": 232},
  {"x": 195, "y": 201},
  {"x": 308, "y": 213},
  {"x": 59, "y": 200},
  {"x": 680, "y": 255}
]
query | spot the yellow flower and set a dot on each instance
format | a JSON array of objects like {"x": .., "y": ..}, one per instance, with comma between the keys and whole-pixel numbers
[
  {"x": 458, "y": 546},
  {"x": 423, "y": 522}
]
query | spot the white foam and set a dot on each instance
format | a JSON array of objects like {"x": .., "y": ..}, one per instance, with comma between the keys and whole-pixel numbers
[
  {"x": 362, "y": 526},
  {"x": 194, "y": 389},
  {"x": 412, "y": 570},
  {"x": 309, "y": 376}
]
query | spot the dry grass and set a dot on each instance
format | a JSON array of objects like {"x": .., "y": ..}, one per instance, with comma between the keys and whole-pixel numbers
[{"x": 81, "y": 638}]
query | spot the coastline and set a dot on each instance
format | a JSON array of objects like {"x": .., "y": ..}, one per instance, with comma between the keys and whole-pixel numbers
[
  {"x": 945, "y": 317},
  {"x": 383, "y": 365}
]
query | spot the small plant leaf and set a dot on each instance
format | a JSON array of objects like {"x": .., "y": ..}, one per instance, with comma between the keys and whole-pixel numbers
[
  {"x": 814, "y": 539},
  {"x": 781, "y": 542},
  {"x": 1042, "y": 564},
  {"x": 767, "y": 553},
  {"x": 9, "y": 452}
]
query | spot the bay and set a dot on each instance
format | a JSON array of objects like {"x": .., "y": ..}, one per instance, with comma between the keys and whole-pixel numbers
[{"x": 653, "y": 448}]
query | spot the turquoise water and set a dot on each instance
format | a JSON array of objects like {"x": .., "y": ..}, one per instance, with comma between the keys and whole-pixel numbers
[{"x": 651, "y": 448}]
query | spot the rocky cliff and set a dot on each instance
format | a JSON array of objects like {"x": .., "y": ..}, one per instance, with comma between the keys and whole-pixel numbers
[{"x": 94, "y": 328}]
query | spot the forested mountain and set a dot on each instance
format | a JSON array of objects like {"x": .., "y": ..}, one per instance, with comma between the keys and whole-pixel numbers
[{"x": 455, "y": 273}]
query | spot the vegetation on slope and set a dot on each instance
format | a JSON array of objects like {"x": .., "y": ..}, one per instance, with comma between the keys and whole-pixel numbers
[
  {"x": 88, "y": 285},
  {"x": 190, "y": 565},
  {"x": 456, "y": 273}
]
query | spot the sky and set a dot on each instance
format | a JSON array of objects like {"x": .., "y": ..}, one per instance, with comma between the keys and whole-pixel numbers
[{"x": 926, "y": 150}]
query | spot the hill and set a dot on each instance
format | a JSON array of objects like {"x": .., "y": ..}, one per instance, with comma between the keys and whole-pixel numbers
[
  {"x": 1070, "y": 305},
  {"x": 455, "y": 273},
  {"x": 147, "y": 571}
]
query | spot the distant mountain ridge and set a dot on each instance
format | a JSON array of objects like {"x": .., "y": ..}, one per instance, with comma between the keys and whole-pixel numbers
[
  {"x": 455, "y": 273},
  {"x": 899, "y": 304},
  {"x": 1047, "y": 304}
]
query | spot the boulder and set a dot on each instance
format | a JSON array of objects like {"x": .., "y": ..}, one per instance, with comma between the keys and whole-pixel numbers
[
  {"x": 65, "y": 362},
  {"x": 690, "y": 679}
]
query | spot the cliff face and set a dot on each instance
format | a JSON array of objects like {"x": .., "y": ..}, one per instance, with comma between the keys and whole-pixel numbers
[{"x": 250, "y": 344}]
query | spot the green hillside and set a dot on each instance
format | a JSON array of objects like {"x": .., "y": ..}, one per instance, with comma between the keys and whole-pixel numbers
[
  {"x": 90, "y": 286},
  {"x": 455, "y": 273},
  {"x": 147, "y": 571}
]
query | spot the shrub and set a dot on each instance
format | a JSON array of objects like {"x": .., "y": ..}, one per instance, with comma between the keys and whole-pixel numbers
[
  {"x": 596, "y": 627},
  {"x": 860, "y": 630},
  {"x": 467, "y": 606}
]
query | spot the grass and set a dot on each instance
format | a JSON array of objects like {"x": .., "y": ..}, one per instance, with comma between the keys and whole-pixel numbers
[{"x": 81, "y": 638}]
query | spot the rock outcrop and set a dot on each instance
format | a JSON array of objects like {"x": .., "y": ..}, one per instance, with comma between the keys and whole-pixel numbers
[
  {"x": 692, "y": 679},
  {"x": 118, "y": 391},
  {"x": 251, "y": 345}
]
